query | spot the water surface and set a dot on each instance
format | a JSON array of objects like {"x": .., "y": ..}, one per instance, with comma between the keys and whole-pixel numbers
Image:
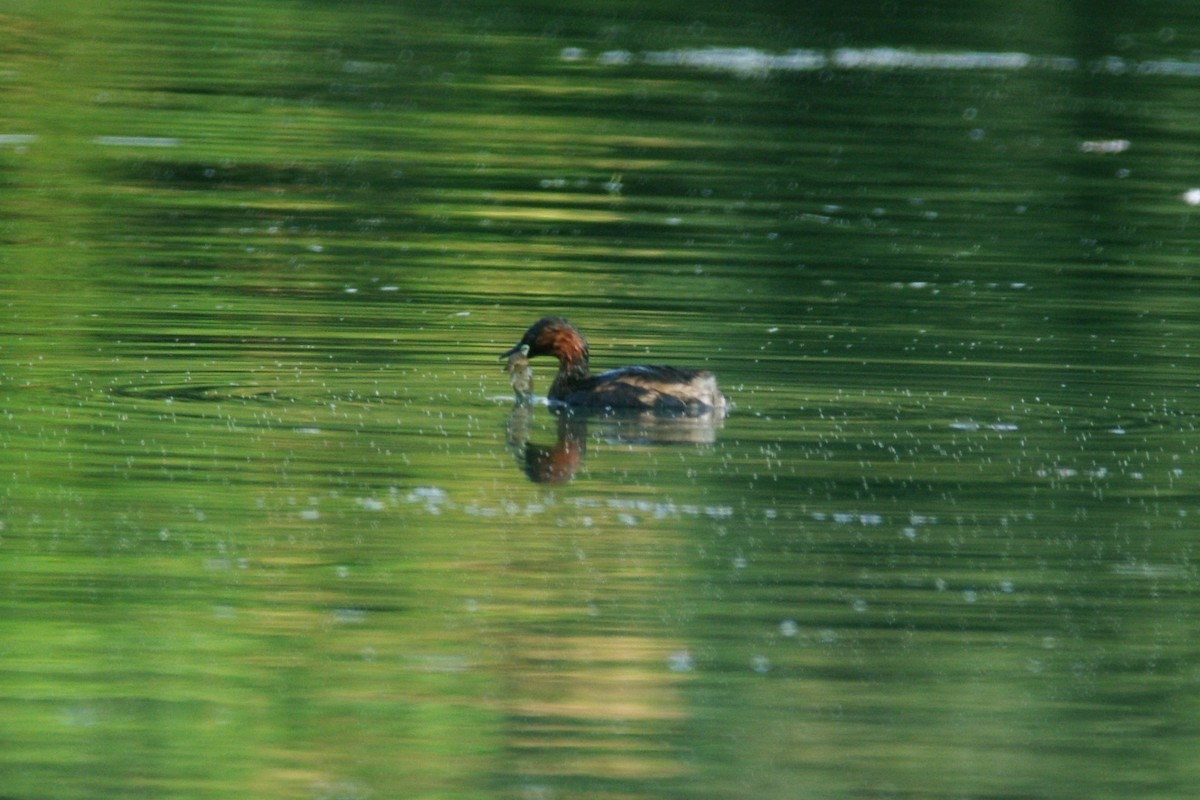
[{"x": 272, "y": 526}]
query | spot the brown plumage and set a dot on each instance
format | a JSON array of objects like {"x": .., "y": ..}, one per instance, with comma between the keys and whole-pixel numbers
[{"x": 665, "y": 390}]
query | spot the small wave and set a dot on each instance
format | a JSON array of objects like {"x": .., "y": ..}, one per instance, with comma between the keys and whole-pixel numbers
[
  {"x": 195, "y": 393},
  {"x": 751, "y": 61},
  {"x": 136, "y": 141}
]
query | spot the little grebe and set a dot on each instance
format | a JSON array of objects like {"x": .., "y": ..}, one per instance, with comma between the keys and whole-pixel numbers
[{"x": 666, "y": 390}]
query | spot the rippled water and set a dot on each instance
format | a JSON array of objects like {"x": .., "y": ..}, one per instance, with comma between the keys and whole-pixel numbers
[{"x": 271, "y": 524}]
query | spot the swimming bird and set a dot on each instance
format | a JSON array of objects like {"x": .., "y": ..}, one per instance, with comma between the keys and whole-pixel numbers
[{"x": 657, "y": 388}]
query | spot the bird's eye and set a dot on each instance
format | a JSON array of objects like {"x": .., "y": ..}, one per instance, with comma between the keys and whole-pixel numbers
[{"x": 524, "y": 349}]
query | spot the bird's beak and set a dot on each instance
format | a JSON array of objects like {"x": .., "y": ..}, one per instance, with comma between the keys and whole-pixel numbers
[{"x": 522, "y": 348}]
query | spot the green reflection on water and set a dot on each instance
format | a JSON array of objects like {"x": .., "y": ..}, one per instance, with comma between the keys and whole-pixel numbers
[{"x": 267, "y": 526}]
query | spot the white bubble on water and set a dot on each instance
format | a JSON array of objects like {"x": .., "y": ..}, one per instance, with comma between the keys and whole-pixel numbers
[{"x": 680, "y": 661}]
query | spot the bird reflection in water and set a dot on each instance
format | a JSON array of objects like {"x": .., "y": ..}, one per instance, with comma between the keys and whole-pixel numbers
[
  {"x": 554, "y": 464},
  {"x": 560, "y": 461}
]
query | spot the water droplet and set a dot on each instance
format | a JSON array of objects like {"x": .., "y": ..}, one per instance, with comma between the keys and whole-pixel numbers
[{"x": 680, "y": 661}]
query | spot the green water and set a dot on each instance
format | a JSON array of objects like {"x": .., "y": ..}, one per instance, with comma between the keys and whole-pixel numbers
[{"x": 267, "y": 522}]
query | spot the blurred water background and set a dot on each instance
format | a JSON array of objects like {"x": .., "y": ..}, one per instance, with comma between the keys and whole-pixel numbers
[{"x": 271, "y": 526}]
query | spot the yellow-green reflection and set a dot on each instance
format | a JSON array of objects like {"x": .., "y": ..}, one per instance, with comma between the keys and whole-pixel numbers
[{"x": 270, "y": 525}]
